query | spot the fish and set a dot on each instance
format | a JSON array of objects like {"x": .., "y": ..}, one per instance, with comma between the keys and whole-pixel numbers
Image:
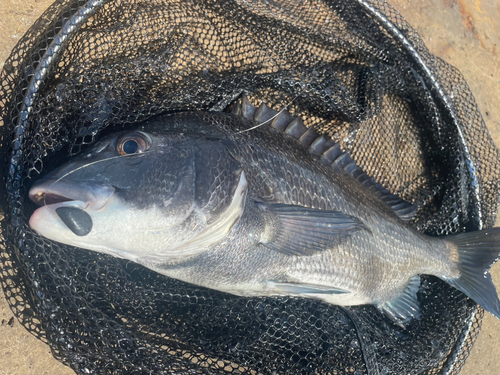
[{"x": 276, "y": 211}]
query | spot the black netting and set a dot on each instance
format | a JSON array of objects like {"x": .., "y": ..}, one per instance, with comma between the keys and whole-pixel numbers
[{"x": 354, "y": 70}]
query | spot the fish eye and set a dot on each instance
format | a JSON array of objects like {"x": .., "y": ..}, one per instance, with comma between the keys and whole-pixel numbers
[
  {"x": 133, "y": 143},
  {"x": 130, "y": 147}
]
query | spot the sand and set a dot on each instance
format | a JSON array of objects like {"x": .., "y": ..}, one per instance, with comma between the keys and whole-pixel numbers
[{"x": 464, "y": 33}]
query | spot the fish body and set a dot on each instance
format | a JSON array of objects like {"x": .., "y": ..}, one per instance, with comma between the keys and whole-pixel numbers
[{"x": 195, "y": 197}]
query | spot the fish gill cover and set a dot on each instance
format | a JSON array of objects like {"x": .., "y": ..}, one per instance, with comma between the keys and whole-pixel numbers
[{"x": 353, "y": 70}]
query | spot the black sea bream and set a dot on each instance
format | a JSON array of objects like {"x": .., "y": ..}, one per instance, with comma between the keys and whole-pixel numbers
[{"x": 274, "y": 211}]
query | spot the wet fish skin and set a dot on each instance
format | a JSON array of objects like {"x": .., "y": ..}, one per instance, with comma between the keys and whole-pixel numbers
[
  {"x": 150, "y": 191},
  {"x": 222, "y": 209}
]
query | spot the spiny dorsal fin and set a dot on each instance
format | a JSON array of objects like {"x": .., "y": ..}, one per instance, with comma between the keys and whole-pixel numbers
[
  {"x": 326, "y": 148},
  {"x": 281, "y": 121},
  {"x": 296, "y": 128},
  {"x": 341, "y": 161}
]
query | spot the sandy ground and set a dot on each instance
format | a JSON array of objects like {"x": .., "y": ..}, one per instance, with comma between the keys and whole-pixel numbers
[{"x": 465, "y": 33}]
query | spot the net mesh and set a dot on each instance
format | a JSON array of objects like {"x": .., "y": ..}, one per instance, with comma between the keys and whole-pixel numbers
[{"x": 353, "y": 69}]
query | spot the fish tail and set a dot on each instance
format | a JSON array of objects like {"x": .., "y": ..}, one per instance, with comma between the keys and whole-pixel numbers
[{"x": 477, "y": 252}]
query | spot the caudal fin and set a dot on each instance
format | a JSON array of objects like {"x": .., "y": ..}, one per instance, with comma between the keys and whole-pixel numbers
[{"x": 477, "y": 252}]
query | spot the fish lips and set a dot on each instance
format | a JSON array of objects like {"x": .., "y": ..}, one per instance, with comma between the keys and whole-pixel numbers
[
  {"x": 50, "y": 192},
  {"x": 64, "y": 205}
]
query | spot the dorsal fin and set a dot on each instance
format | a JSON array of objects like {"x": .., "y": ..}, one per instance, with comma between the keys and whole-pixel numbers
[
  {"x": 341, "y": 161},
  {"x": 322, "y": 146}
]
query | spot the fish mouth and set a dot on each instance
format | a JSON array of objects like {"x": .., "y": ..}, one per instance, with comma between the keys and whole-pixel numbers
[
  {"x": 46, "y": 199},
  {"x": 68, "y": 193},
  {"x": 66, "y": 205}
]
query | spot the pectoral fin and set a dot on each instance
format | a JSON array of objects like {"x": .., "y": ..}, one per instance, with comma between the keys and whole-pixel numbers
[{"x": 296, "y": 230}]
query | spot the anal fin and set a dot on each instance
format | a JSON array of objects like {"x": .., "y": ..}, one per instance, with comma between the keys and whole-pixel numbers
[{"x": 405, "y": 306}]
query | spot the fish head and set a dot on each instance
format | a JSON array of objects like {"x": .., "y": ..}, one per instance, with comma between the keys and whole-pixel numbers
[{"x": 142, "y": 196}]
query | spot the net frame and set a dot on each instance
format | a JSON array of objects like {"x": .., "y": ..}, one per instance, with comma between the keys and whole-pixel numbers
[{"x": 33, "y": 62}]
